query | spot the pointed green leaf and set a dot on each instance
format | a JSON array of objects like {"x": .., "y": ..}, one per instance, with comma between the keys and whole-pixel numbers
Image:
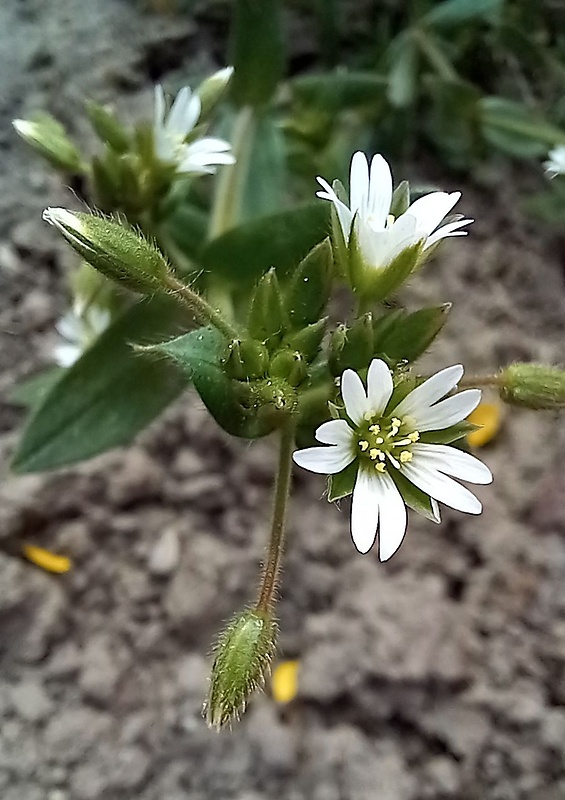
[
  {"x": 257, "y": 51},
  {"x": 264, "y": 190},
  {"x": 280, "y": 240},
  {"x": 107, "y": 396},
  {"x": 309, "y": 288},
  {"x": 410, "y": 335},
  {"x": 516, "y": 129}
]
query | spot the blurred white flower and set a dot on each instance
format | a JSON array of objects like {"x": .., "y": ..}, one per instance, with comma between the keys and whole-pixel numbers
[
  {"x": 171, "y": 129},
  {"x": 555, "y": 164},
  {"x": 381, "y": 237},
  {"x": 386, "y": 442},
  {"x": 78, "y": 331}
]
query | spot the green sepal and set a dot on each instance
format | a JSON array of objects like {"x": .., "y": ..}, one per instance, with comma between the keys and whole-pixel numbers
[
  {"x": 257, "y": 51},
  {"x": 342, "y": 484},
  {"x": 449, "y": 435},
  {"x": 246, "y": 359},
  {"x": 107, "y": 127},
  {"x": 289, "y": 365},
  {"x": 400, "y": 199},
  {"x": 200, "y": 355},
  {"x": 309, "y": 288},
  {"x": 410, "y": 335},
  {"x": 378, "y": 284},
  {"x": 267, "y": 319},
  {"x": 309, "y": 340},
  {"x": 414, "y": 498},
  {"x": 357, "y": 349}
]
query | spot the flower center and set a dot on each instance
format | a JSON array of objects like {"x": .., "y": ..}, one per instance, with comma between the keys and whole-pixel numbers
[{"x": 384, "y": 440}]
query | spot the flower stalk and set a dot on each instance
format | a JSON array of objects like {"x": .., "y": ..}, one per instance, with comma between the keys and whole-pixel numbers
[
  {"x": 201, "y": 309},
  {"x": 272, "y": 565}
]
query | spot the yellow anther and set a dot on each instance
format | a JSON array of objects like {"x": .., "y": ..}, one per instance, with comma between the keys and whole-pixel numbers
[
  {"x": 363, "y": 445},
  {"x": 374, "y": 453},
  {"x": 379, "y": 440},
  {"x": 390, "y": 220},
  {"x": 413, "y": 436},
  {"x": 367, "y": 416},
  {"x": 395, "y": 422},
  {"x": 380, "y": 466},
  {"x": 375, "y": 428},
  {"x": 405, "y": 457}
]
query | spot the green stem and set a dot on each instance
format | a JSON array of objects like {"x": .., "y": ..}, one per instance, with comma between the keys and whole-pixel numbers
[
  {"x": 276, "y": 543},
  {"x": 232, "y": 178},
  {"x": 475, "y": 381},
  {"x": 201, "y": 309}
]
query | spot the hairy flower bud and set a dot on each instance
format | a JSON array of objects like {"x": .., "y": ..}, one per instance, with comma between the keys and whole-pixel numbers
[
  {"x": 212, "y": 89},
  {"x": 246, "y": 359},
  {"x": 115, "y": 250},
  {"x": 243, "y": 658},
  {"x": 533, "y": 385},
  {"x": 50, "y": 139}
]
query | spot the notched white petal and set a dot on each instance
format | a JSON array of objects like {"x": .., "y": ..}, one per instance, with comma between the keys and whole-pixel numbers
[
  {"x": 354, "y": 397},
  {"x": 324, "y": 460},
  {"x": 379, "y": 386},
  {"x": 336, "y": 431},
  {"x": 365, "y": 510}
]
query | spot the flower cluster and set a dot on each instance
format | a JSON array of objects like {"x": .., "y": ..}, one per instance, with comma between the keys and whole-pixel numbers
[
  {"x": 170, "y": 131},
  {"x": 387, "y": 439}
]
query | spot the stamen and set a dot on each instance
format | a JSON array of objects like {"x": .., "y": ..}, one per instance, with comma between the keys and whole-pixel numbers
[
  {"x": 390, "y": 220},
  {"x": 402, "y": 442},
  {"x": 367, "y": 416},
  {"x": 405, "y": 457},
  {"x": 393, "y": 461},
  {"x": 413, "y": 436},
  {"x": 363, "y": 445},
  {"x": 375, "y": 428},
  {"x": 374, "y": 454},
  {"x": 395, "y": 422},
  {"x": 380, "y": 466}
]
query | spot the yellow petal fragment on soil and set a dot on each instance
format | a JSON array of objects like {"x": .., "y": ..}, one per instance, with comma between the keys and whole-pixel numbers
[
  {"x": 48, "y": 561},
  {"x": 284, "y": 683},
  {"x": 488, "y": 416}
]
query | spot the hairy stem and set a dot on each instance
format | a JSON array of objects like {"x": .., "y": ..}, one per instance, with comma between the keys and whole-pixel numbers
[
  {"x": 201, "y": 309},
  {"x": 276, "y": 543}
]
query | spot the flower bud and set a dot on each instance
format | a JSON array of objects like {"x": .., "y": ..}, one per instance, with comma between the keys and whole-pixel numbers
[
  {"x": 243, "y": 658},
  {"x": 108, "y": 128},
  {"x": 212, "y": 89},
  {"x": 533, "y": 385},
  {"x": 289, "y": 365},
  {"x": 115, "y": 250},
  {"x": 309, "y": 340},
  {"x": 49, "y": 138},
  {"x": 246, "y": 359}
]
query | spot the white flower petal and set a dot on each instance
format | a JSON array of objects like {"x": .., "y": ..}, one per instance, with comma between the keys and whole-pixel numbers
[
  {"x": 183, "y": 114},
  {"x": 344, "y": 214},
  {"x": 392, "y": 518},
  {"x": 358, "y": 182},
  {"x": 210, "y": 144},
  {"x": 451, "y": 229},
  {"x": 354, "y": 397},
  {"x": 365, "y": 510},
  {"x": 324, "y": 460},
  {"x": 435, "y": 510},
  {"x": 442, "y": 488},
  {"x": 431, "y": 209},
  {"x": 380, "y": 190},
  {"x": 402, "y": 234},
  {"x": 336, "y": 431},
  {"x": 452, "y": 462},
  {"x": 70, "y": 327},
  {"x": 66, "y": 354},
  {"x": 431, "y": 390},
  {"x": 159, "y": 106},
  {"x": 379, "y": 386},
  {"x": 447, "y": 412}
]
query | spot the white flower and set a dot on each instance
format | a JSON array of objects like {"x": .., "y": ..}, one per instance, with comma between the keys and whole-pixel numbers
[
  {"x": 171, "y": 129},
  {"x": 381, "y": 237},
  {"x": 386, "y": 442},
  {"x": 78, "y": 331},
  {"x": 555, "y": 164}
]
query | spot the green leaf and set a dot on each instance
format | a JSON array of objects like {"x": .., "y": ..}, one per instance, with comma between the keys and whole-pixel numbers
[
  {"x": 200, "y": 356},
  {"x": 309, "y": 288},
  {"x": 264, "y": 190},
  {"x": 403, "y": 75},
  {"x": 30, "y": 392},
  {"x": 184, "y": 229},
  {"x": 107, "y": 396},
  {"x": 342, "y": 484},
  {"x": 413, "y": 497},
  {"x": 280, "y": 240},
  {"x": 512, "y": 127},
  {"x": 410, "y": 335},
  {"x": 257, "y": 52},
  {"x": 340, "y": 89},
  {"x": 455, "y": 12}
]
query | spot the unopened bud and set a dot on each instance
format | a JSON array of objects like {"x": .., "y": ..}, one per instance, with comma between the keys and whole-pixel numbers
[
  {"x": 246, "y": 359},
  {"x": 533, "y": 385},
  {"x": 243, "y": 659},
  {"x": 50, "y": 139},
  {"x": 115, "y": 250},
  {"x": 289, "y": 365},
  {"x": 213, "y": 89},
  {"x": 107, "y": 126}
]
